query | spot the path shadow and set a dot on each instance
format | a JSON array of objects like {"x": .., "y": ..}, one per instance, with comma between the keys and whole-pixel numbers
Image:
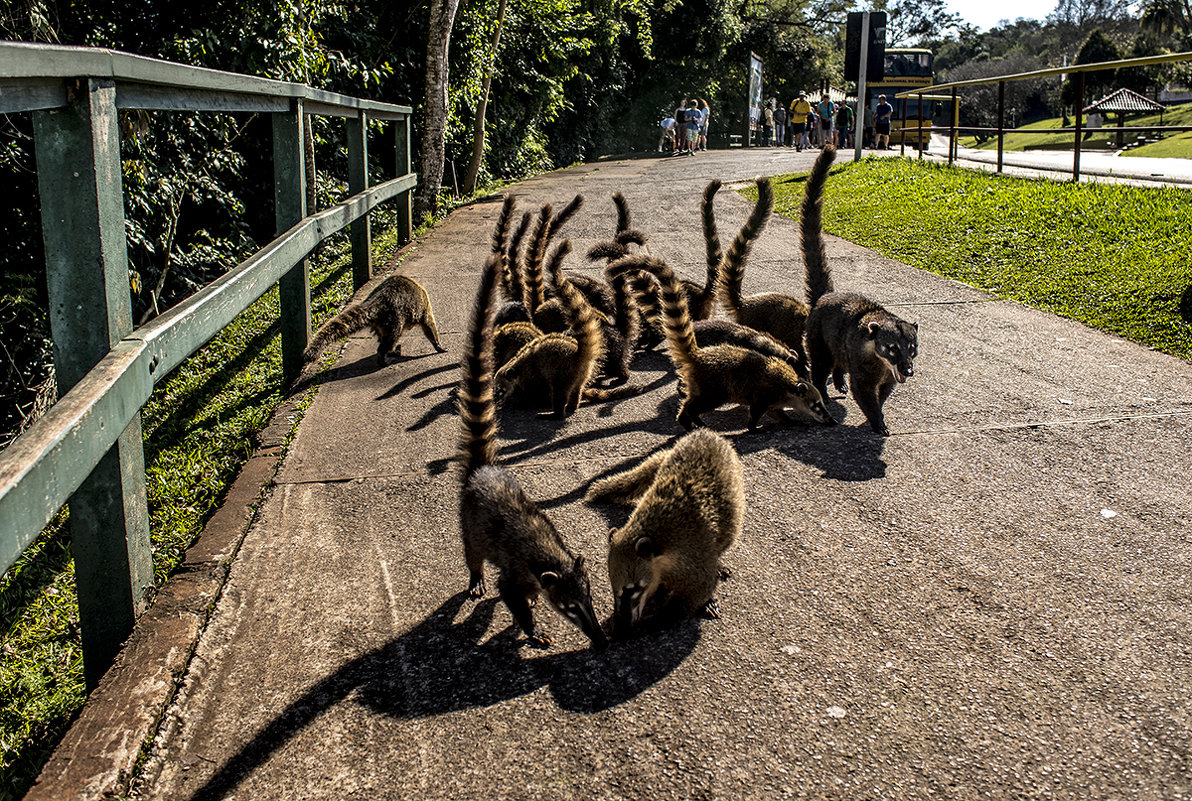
[
  {"x": 440, "y": 667},
  {"x": 409, "y": 380}
]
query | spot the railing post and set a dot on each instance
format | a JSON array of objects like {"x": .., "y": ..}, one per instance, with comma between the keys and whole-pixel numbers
[
  {"x": 952, "y": 141},
  {"x": 1077, "y": 110},
  {"x": 82, "y": 211},
  {"x": 361, "y": 230},
  {"x": 902, "y": 133},
  {"x": 1001, "y": 121},
  {"x": 401, "y": 149},
  {"x": 289, "y": 204},
  {"x": 923, "y": 144}
]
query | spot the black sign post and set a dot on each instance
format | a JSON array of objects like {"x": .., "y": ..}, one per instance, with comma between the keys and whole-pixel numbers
[{"x": 864, "y": 63}]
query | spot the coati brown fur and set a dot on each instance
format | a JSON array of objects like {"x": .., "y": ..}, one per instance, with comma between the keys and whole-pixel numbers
[
  {"x": 849, "y": 333},
  {"x": 397, "y": 304},
  {"x": 664, "y": 564},
  {"x": 722, "y": 374},
  {"x": 498, "y": 523},
  {"x": 509, "y": 339},
  {"x": 554, "y": 369},
  {"x": 780, "y": 315}
]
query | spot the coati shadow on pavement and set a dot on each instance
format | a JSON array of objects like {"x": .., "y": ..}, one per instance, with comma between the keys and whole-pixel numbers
[{"x": 438, "y": 667}]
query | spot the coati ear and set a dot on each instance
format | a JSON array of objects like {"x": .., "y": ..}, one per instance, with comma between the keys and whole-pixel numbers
[
  {"x": 578, "y": 567},
  {"x": 803, "y": 389},
  {"x": 612, "y": 532},
  {"x": 916, "y": 325},
  {"x": 873, "y": 329},
  {"x": 548, "y": 579},
  {"x": 644, "y": 546}
]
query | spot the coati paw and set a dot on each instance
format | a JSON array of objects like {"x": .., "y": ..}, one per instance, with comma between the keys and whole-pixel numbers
[
  {"x": 725, "y": 573},
  {"x": 476, "y": 588},
  {"x": 711, "y": 610},
  {"x": 541, "y": 640}
]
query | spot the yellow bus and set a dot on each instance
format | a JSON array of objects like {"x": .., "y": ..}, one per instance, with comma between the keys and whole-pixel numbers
[{"x": 905, "y": 68}]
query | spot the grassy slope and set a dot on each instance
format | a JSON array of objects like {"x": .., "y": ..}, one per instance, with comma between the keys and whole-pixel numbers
[
  {"x": 1173, "y": 145},
  {"x": 1116, "y": 258},
  {"x": 199, "y": 428}
]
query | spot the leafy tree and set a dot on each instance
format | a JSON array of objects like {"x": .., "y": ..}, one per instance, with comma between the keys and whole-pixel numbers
[
  {"x": 1097, "y": 48},
  {"x": 913, "y": 22}
]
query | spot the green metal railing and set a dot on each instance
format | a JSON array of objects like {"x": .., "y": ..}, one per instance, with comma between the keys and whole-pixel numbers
[
  {"x": 1078, "y": 70},
  {"x": 87, "y": 449}
]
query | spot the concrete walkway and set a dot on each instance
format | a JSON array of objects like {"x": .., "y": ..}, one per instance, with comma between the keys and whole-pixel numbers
[{"x": 994, "y": 602}]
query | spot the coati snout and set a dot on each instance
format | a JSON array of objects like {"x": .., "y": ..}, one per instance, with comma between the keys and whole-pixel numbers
[{"x": 898, "y": 348}]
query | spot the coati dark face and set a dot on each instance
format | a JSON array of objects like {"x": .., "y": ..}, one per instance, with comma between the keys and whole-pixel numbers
[
  {"x": 571, "y": 596},
  {"x": 805, "y": 398},
  {"x": 897, "y": 344}
]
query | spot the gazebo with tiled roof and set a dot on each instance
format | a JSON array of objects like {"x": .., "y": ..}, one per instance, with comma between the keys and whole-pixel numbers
[{"x": 1122, "y": 102}]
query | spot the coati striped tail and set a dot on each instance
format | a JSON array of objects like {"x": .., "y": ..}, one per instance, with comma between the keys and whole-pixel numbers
[
  {"x": 649, "y": 298},
  {"x": 622, "y": 211},
  {"x": 477, "y": 409},
  {"x": 535, "y": 294},
  {"x": 676, "y": 319},
  {"x": 517, "y": 286},
  {"x": 501, "y": 243},
  {"x": 819, "y": 274},
  {"x": 733, "y": 265},
  {"x": 711, "y": 235},
  {"x": 348, "y": 321},
  {"x": 563, "y": 216},
  {"x": 585, "y": 325}
]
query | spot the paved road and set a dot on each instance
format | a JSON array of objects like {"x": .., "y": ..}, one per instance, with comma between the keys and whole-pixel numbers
[{"x": 993, "y": 602}]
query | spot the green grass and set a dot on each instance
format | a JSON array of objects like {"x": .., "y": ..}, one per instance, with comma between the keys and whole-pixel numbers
[
  {"x": 198, "y": 428},
  {"x": 1173, "y": 145},
  {"x": 1116, "y": 258}
]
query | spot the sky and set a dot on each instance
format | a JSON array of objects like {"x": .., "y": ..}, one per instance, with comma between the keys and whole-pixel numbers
[{"x": 986, "y": 14}]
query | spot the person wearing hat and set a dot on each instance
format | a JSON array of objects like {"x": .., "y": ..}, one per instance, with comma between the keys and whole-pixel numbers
[{"x": 800, "y": 108}]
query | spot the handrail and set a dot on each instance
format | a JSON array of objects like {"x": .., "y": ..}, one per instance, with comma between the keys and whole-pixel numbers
[
  {"x": 87, "y": 450},
  {"x": 1123, "y": 63},
  {"x": 1078, "y": 70},
  {"x": 37, "y": 65}
]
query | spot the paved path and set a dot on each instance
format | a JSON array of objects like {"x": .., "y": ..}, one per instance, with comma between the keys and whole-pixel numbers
[{"x": 994, "y": 602}]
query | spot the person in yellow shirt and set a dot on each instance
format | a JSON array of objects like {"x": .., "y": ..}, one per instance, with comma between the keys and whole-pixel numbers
[{"x": 800, "y": 108}]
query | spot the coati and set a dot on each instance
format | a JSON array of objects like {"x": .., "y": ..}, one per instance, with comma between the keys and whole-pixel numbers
[
  {"x": 719, "y": 331},
  {"x": 722, "y": 374},
  {"x": 780, "y": 315},
  {"x": 554, "y": 369},
  {"x": 664, "y": 563},
  {"x": 397, "y": 304},
  {"x": 498, "y": 523},
  {"x": 849, "y": 333}
]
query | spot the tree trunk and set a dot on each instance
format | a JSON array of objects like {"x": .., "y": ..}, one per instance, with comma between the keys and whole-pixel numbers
[
  {"x": 478, "y": 129},
  {"x": 434, "y": 129}
]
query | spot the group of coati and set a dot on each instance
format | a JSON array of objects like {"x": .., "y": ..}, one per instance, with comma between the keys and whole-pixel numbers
[{"x": 550, "y": 348}]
